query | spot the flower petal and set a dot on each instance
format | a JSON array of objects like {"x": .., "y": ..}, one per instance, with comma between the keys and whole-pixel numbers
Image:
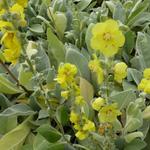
[
  {"x": 95, "y": 43},
  {"x": 109, "y": 50},
  {"x": 98, "y": 28},
  {"x": 111, "y": 25},
  {"x": 118, "y": 38}
]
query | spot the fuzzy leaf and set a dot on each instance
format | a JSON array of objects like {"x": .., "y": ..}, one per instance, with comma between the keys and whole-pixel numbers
[
  {"x": 17, "y": 110},
  {"x": 142, "y": 46},
  {"x": 37, "y": 28},
  {"x": 131, "y": 136},
  {"x": 14, "y": 139},
  {"x": 25, "y": 78},
  {"x": 74, "y": 57},
  {"x": 40, "y": 143},
  {"x": 134, "y": 118},
  {"x": 136, "y": 144},
  {"x": 62, "y": 115},
  {"x": 4, "y": 102},
  {"x": 123, "y": 98},
  {"x": 146, "y": 113},
  {"x": 138, "y": 8},
  {"x": 83, "y": 4},
  {"x": 61, "y": 22},
  {"x": 7, "y": 123},
  {"x": 56, "y": 47},
  {"x": 119, "y": 13},
  {"x": 8, "y": 87},
  {"x": 50, "y": 133}
]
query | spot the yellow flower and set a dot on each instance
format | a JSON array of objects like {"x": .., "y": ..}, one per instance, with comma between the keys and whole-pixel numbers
[
  {"x": 5, "y": 24},
  {"x": 19, "y": 11},
  {"x": 89, "y": 126},
  {"x": 12, "y": 47},
  {"x": 81, "y": 135},
  {"x": 107, "y": 38},
  {"x": 95, "y": 66},
  {"x": 147, "y": 88},
  {"x": 120, "y": 71},
  {"x": 98, "y": 103},
  {"x": 66, "y": 74},
  {"x": 109, "y": 113},
  {"x": 142, "y": 84},
  {"x": 147, "y": 73},
  {"x": 145, "y": 82},
  {"x": 11, "y": 55},
  {"x": 79, "y": 100},
  {"x": 23, "y": 3},
  {"x": 74, "y": 117},
  {"x": 65, "y": 94}
]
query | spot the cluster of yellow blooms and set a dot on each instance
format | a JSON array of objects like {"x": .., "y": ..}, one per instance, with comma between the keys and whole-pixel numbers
[
  {"x": 108, "y": 41},
  {"x": 82, "y": 124},
  {"x": 10, "y": 40},
  {"x": 66, "y": 75},
  {"x": 107, "y": 113},
  {"x": 107, "y": 37},
  {"x": 145, "y": 82},
  {"x": 120, "y": 71},
  {"x": 66, "y": 78}
]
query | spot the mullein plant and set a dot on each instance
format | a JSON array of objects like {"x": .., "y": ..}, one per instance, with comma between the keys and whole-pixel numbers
[
  {"x": 66, "y": 78},
  {"x": 105, "y": 41},
  {"x": 108, "y": 120},
  {"x": 68, "y": 83}
]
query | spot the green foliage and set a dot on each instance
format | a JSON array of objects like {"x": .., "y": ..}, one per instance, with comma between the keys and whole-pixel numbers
[
  {"x": 62, "y": 115},
  {"x": 56, "y": 48},
  {"x": 49, "y": 133},
  {"x": 123, "y": 98},
  {"x": 136, "y": 145},
  {"x": 15, "y": 138},
  {"x": 142, "y": 47},
  {"x": 8, "y": 87},
  {"x": 17, "y": 110},
  {"x": 75, "y": 57},
  {"x": 34, "y": 113}
]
